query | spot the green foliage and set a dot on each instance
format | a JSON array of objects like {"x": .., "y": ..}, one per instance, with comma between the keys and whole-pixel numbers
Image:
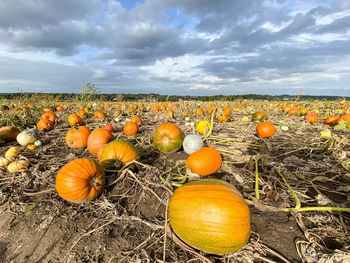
[{"x": 88, "y": 93}]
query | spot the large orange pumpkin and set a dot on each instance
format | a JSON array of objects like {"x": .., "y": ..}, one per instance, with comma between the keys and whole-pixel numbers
[
  {"x": 77, "y": 138},
  {"x": 168, "y": 138},
  {"x": 97, "y": 140},
  {"x": 118, "y": 153},
  {"x": 265, "y": 129},
  {"x": 210, "y": 215},
  {"x": 80, "y": 180},
  {"x": 204, "y": 161}
]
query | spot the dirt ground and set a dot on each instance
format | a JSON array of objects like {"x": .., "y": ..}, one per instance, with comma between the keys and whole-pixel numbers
[{"x": 127, "y": 222}]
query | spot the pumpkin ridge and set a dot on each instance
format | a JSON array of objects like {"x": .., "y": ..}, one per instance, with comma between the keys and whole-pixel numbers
[{"x": 211, "y": 223}]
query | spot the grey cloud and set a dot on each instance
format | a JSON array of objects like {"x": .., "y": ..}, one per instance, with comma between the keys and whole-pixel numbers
[{"x": 37, "y": 13}]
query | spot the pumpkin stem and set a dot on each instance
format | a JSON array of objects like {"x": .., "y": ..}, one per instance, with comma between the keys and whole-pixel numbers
[{"x": 94, "y": 181}]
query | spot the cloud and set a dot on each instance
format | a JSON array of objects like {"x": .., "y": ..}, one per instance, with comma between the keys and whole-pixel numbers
[{"x": 169, "y": 46}]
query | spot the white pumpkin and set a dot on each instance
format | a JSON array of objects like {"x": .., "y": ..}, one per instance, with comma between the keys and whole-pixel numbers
[
  {"x": 26, "y": 137},
  {"x": 38, "y": 143},
  {"x": 192, "y": 143}
]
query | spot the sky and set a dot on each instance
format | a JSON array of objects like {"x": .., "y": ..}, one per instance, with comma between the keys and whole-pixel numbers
[{"x": 176, "y": 47}]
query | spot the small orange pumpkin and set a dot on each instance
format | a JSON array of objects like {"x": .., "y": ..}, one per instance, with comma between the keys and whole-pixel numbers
[
  {"x": 118, "y": 153},
  {"x": 80, "y": 180},
  {"x": 97, "y": 140},
  {"x": 74, "y": 120},
  {"x": 265, "y": 129},
  {"x": 168, "y": 138},
  {"x": 45, "y": 125},
  {"x": 136, "y": 119},
  {"x": 223, "y": 118},
  {"x": 210, "y": 215},
  {"x": 204, "y": 161},
  {"x": 311, "y": 118},
  {"x": 99, "y": 116},
  {"x": 345, "y": 117},
  {"x": 50, "y": 116},
  {"x": 130, "y": 128},
  {"x": 77, "y": 138},
  {"x": 331, "y": 120}
]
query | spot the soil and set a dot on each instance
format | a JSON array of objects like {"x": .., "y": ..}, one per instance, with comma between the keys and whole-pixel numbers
[{"x": 126, "y": 223}]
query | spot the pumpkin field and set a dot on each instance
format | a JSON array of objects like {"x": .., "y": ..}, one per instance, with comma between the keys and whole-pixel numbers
[{"x": 85, "y": 180}]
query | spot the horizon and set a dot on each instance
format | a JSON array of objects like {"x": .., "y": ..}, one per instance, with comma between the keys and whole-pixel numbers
[{"x": 199, "y": 48}]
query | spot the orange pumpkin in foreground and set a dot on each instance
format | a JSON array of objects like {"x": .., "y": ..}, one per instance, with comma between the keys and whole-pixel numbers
[
  {"x": 118, "y": 153},
  {"x": 80, "y": 180},
  {"x": 210, "y": 215},
  {"x": 204, "y": 161},
  {"x": 265, "y": 129},
  {"x": 168, "y": 138},
  {"x": 331, "y": 120},
  {"x": 97, "y": 140},
  {"x": 77, "y": 138}
]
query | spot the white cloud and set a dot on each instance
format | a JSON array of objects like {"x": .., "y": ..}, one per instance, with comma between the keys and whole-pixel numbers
[{"x": 183, "y": 46}]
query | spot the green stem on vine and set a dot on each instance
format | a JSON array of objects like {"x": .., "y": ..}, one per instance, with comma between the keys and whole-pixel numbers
[
  {"x": 256, "y": 179},
  {"x": 297, "y": 201}
]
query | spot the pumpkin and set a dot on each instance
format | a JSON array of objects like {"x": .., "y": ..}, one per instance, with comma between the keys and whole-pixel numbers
[
  {"x": 26, "y": 137},
  {"x": 259, "y": 116},
  {"x": 48, "y": 116},
  {"x": 77, "y": 138},
  {"x": 31, "y": 147},
  {"x": 226, "y": 111},
  {"x": 97, "y": 140},
  {"x": 331, "y": 120},
  {"x": 192, "y": 143},
  {"x": 265, "y": 129},
  {"x": 130, "y": 128},
  {"x": 204, "y": 161},
  {"x": 5, "y": 161},
  {"x": 45, "y": 125},
  {"x": 9, "y": 133},
  {"x": 82, "y": 114},
  {"x": 108, "y": 127},
  {"x": 136, "y": 119},
  {"x": 199, "y": 112},
  {"x": 210, "y": 215},
  {"x": 74, "y": 120},
  {"x": 80, "y": 180},
  {"x": 170, "y": 113},
  {"x": 168, "y": 137},
  {"x": 303, "y": 111},
  {"x": 99, "y": 116},
  {"x": 17, "y": 165},
  {"x": 311, "y": 118},
  {"x": 293, "y": 111},
  {"x": 13, "y": 151},
  {"x": 38, "y": 143},
  {"x": 203, "y": 127},
  {"x": 223, "y": 118},
  {"x": 345, "y": 117},
  {"x": 118, "y": 153}
]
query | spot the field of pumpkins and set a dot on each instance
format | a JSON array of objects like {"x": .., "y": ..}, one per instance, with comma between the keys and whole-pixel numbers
[{"x": 187, "y": 181}]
